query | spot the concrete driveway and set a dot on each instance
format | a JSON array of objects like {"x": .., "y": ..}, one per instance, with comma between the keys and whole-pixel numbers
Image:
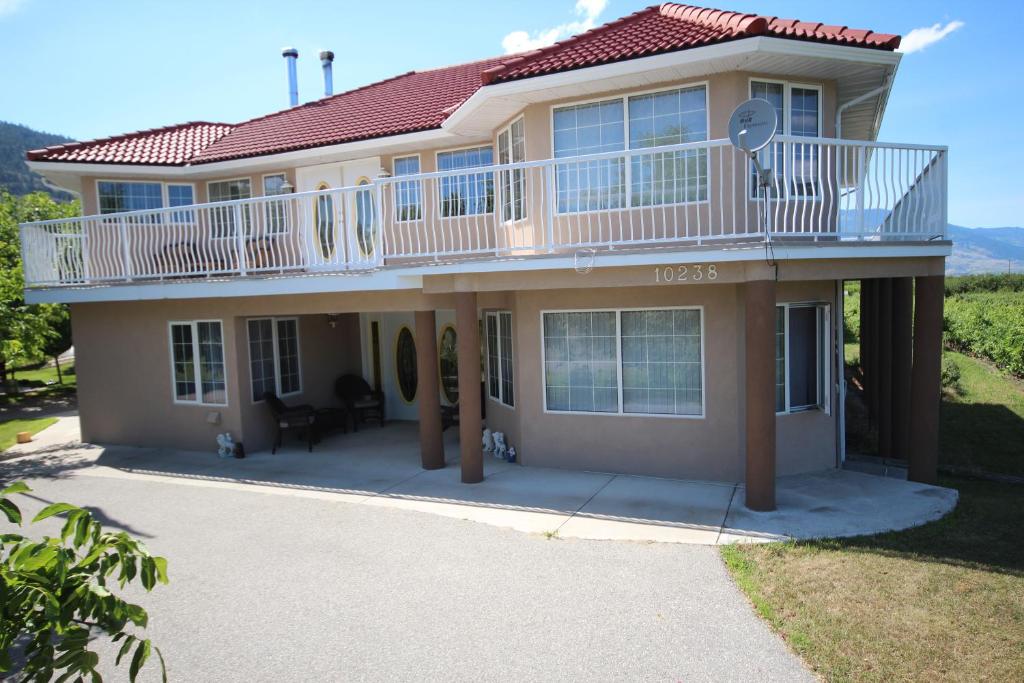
[{"x": 297, "y": 584}]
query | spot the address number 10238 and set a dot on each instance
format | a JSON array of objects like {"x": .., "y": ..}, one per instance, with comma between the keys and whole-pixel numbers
[{"x": 695, "y": 272}]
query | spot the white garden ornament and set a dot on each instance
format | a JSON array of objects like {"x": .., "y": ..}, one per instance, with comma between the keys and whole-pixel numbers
[
  {"x": 488, "y": 441},
  {"x": 226, "y": 445},
  {"x": 500, "y": 449}
]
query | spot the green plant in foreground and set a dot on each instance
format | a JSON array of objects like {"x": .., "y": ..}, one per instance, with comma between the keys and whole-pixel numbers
[{"x": 54, "y": 594}]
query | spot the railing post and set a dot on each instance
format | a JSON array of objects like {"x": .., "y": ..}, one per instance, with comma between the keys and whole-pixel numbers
[
  {"x": 126, "y": 254},
  {"x": 944, "y": 213},
  {"x": 239, "y": 238},
  {"x": 549, "y": 229},
  {"x": 861, "y": 175}
]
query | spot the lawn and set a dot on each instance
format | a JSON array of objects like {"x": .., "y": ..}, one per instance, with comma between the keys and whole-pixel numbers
[
  {"x": 43, "y": 385},
  {"x": 944, "y": 601},
  {"x": 9, "y": 429}
]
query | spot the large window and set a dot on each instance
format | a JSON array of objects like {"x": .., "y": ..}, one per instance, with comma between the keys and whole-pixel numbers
[
  {"x": 512, "y": 150},
  {"x": 276, "y": 211},
  {"x": 802, "y": 363},
  {"x": 641, "y": 362},
  {"x": 225, "y": 217},
  {"x": 469, "y": 193},
  {"x": 500, "y": 384},
  {"x": 197, "y": 362},
  {"x": 408, "y": 193},
  {"x": 116, "y": 196},
  {"x": 795, "y": 165},
  {"x": 274, "y": 356},
  {"x": 658, "y": 178}
]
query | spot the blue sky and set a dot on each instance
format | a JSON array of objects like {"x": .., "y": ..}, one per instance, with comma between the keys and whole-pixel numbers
[{"x": 102, "y": 67}]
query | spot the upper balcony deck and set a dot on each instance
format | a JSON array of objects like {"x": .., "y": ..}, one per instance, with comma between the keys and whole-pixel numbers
[{"x": 671, "y": 198}]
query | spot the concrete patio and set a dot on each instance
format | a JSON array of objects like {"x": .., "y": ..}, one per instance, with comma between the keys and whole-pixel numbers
[{"x": 381, "y": 467}]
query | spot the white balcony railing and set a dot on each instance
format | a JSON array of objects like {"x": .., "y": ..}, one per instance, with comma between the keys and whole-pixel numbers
[{"x": 693, "y": 193}]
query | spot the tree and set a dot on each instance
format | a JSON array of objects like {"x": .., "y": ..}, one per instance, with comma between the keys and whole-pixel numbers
[
  {"x": 54, "y": 594},
  {"x": 25, "y": 329},
  {"x": 60, "y": 341}
]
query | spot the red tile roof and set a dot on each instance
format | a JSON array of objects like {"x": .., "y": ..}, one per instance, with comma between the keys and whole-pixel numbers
[
  {"x": 168, "y": 146},
  {"x": 668, "y": 28},
  {"x": 418, "y": 101}
]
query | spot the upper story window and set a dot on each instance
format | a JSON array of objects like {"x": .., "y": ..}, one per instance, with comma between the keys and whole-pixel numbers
[
  {"x": 408, "y": 193},
  {"x": 116, "y": 196},
  {"x": 795, "y": 165},
  {"x": 276, "y": 211},
  {"x": 466, "y": 194},
  {"x": 224, "y": 217},
  {"x": 512, "y": 150},
  {"x": 668, "y": 117}
]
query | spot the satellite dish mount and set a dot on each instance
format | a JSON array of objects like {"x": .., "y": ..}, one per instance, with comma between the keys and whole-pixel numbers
[{"x": 752, "y": 127}]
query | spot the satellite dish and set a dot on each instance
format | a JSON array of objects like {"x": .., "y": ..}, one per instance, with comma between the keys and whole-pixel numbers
[{"x": 753, "y": 124}]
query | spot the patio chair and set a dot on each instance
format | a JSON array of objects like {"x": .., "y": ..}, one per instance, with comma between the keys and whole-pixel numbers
[
  {"x": 299, "y": 419},
  {"x": 362, "y": 402}
]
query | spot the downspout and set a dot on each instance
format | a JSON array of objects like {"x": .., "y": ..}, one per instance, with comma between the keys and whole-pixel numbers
[{"x": 857, "y": 100}]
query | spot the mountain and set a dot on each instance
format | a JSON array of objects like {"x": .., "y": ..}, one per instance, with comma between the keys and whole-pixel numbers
[
  {"x": 15, "y": 175},
  {"x": 985, "y": 250}
]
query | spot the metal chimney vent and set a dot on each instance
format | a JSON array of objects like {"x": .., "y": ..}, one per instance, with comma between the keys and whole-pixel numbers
[
  {"x": 291, "y": 55},
  {"x": 326, "y": 60}
]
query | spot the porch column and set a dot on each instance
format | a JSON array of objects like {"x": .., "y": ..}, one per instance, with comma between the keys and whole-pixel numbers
[
  {"x": 885, "y": 368},
  {"x": 925, "y": 379},
  {"x": 864, "y": 332},
  {"x": 902, "y": 356},
  {"x": 872, "y": 368},
  {"x": 470, "y": 424},
  {"x": 428, "y": 395},
  {"x": 759, "y": 301}
]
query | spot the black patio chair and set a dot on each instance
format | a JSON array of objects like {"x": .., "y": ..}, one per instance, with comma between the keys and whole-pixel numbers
[
  {"x": 301, "y": 419},
  {"x": 362, "y": 402}
]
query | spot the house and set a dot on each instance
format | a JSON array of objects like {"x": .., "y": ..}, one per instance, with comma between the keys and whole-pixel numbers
[{"x": 563, "y": 239}]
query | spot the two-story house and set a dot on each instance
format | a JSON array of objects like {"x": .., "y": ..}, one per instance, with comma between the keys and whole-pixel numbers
[{"x": 563, "y": 240}]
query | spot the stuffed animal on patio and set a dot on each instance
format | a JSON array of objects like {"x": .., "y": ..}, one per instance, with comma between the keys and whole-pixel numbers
[
  {"x": 226, "y": 445},
  {"x": 500, "y": 449},
  {"x": 488, "y": 441}
]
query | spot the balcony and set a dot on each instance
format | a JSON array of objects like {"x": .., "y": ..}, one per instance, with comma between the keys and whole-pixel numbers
[{"x": 670, "y": 197}]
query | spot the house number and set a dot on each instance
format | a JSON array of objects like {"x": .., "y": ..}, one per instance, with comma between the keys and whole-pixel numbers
[{"x": 692, "y": 273}]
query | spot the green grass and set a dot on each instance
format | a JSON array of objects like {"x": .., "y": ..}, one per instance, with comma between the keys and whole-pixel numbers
[
  {"x": 48, "y": 373},
  {"x": 944, "y": 601},
  {"x": 9, "y": 429}
]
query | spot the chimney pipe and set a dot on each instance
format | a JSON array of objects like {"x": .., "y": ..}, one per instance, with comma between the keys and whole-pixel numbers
[
  {"x": 291, "y": 54},
  {"x": 326, "y": 60}
]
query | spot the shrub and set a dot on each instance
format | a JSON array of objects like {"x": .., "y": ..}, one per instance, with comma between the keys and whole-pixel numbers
[
  {"x": 950, "y": 375},
  {"x": 989, "y": 282},
  {"x": 990, "y": 325}
]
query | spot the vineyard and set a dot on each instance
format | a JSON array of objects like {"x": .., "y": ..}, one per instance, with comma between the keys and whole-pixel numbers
[{"x": 985, "y": 317}]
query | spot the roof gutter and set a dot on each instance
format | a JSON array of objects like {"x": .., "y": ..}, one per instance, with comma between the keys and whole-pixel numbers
[{"x": 857, "y": 100}]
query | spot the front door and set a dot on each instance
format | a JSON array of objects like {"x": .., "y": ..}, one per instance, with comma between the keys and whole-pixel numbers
[
  {"x": 321, "y": 216},
  {"x": 360, "y": 209}
]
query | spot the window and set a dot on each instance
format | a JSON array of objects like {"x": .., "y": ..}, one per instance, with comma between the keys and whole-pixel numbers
[
  {"x": 512, "y": 150},
  {"x": 274, "y": 356},
  {"x": 197, "y": 362},
  {"x": 500, "y": 385},
  {"x": 640, "y": 121},
  {"x": 223, "y": 217},
  {"x": 116, "y": 197},
  {"x": 795, "y": 165},
  {"x": 323, "y": 218},
  {"x": 466, "y": 194},
  {"x": 275, "y": 211},
  {"x": 448, "y": 364},
  {"x": 365, "y": 218},
  {"x": 408, "y": 193},
  {"x": 405, "y": 365},
  {"x": 802, "y": 363},
  {"x": 641, "y": 362}
]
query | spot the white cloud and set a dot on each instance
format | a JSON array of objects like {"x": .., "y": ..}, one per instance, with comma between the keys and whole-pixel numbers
[
  {"x": 10, "y": 6},
  {"x": 920, "y": 38},
  {"x": 587, "y": 12}
]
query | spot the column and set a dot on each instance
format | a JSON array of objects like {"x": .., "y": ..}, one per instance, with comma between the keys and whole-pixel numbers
[
  {"x": 759, "y": 301},
  {"x": 885, "y": 368},
  {"x": 925, "y": 378},
  {"x": 470, "y": 424},
  {"x": 902, "y": 355},
  {"x": 428, "y": 394},
  {"x": 872, "y": 368}
]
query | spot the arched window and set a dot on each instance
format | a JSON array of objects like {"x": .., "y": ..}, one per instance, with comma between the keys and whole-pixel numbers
[
  {"x": 365, "y": 218},
  {"x": 405, "y": 364},
  {"x": 323, "y": 218},
  {"x": 448, "y": 364}
]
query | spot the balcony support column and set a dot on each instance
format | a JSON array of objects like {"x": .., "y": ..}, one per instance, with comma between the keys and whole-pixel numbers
[
  {"x": 902, "y": 357},
  {"x": 467, "y": 329},
  {"x": 885, "y": 368},
  {"x": 925, "y": 378},
  {"x": 759, "y": 302},
  {"x": 871, "y": 370},
  {"x": 428, "y": 403}
]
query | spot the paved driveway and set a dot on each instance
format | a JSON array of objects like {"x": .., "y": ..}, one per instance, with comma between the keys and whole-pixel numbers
[{"x": 279, "y": 586}]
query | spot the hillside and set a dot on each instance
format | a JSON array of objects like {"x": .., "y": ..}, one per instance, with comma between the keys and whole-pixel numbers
[
  {"x": 15, "y": 175},
  {"x": 985, "y": 250}
]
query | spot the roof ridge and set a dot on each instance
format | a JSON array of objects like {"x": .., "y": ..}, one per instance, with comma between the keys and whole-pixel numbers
[
  {"x": 737, "y": 23},
  {"x": 67, "y": 146}
]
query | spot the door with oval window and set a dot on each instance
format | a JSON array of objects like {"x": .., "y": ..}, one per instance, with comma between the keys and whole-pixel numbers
[
  {"x": 406, "y": 375},
  {"x": 325, "y": 221}
]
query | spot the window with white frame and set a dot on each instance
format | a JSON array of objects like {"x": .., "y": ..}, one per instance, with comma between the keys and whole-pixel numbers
[
  {"x": 468, "y": 193},
  {"x": 197, "y": 362},
  {"x": 662, "y": 118},
  {"x": 640, "y": 362},
  {"x": 275, "y": 211},
  {"x": 512, "y": 150},
  {"x": 802, "y": 363},
  {"x": 224, "y": 217},
  {"x": 795, "y": 165},
  {"x": 500, "y": 385},
  {"x": 408, "y": 193},
  {"x": 274, "y": 356},
  {"x": 115, "y": 196}
]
